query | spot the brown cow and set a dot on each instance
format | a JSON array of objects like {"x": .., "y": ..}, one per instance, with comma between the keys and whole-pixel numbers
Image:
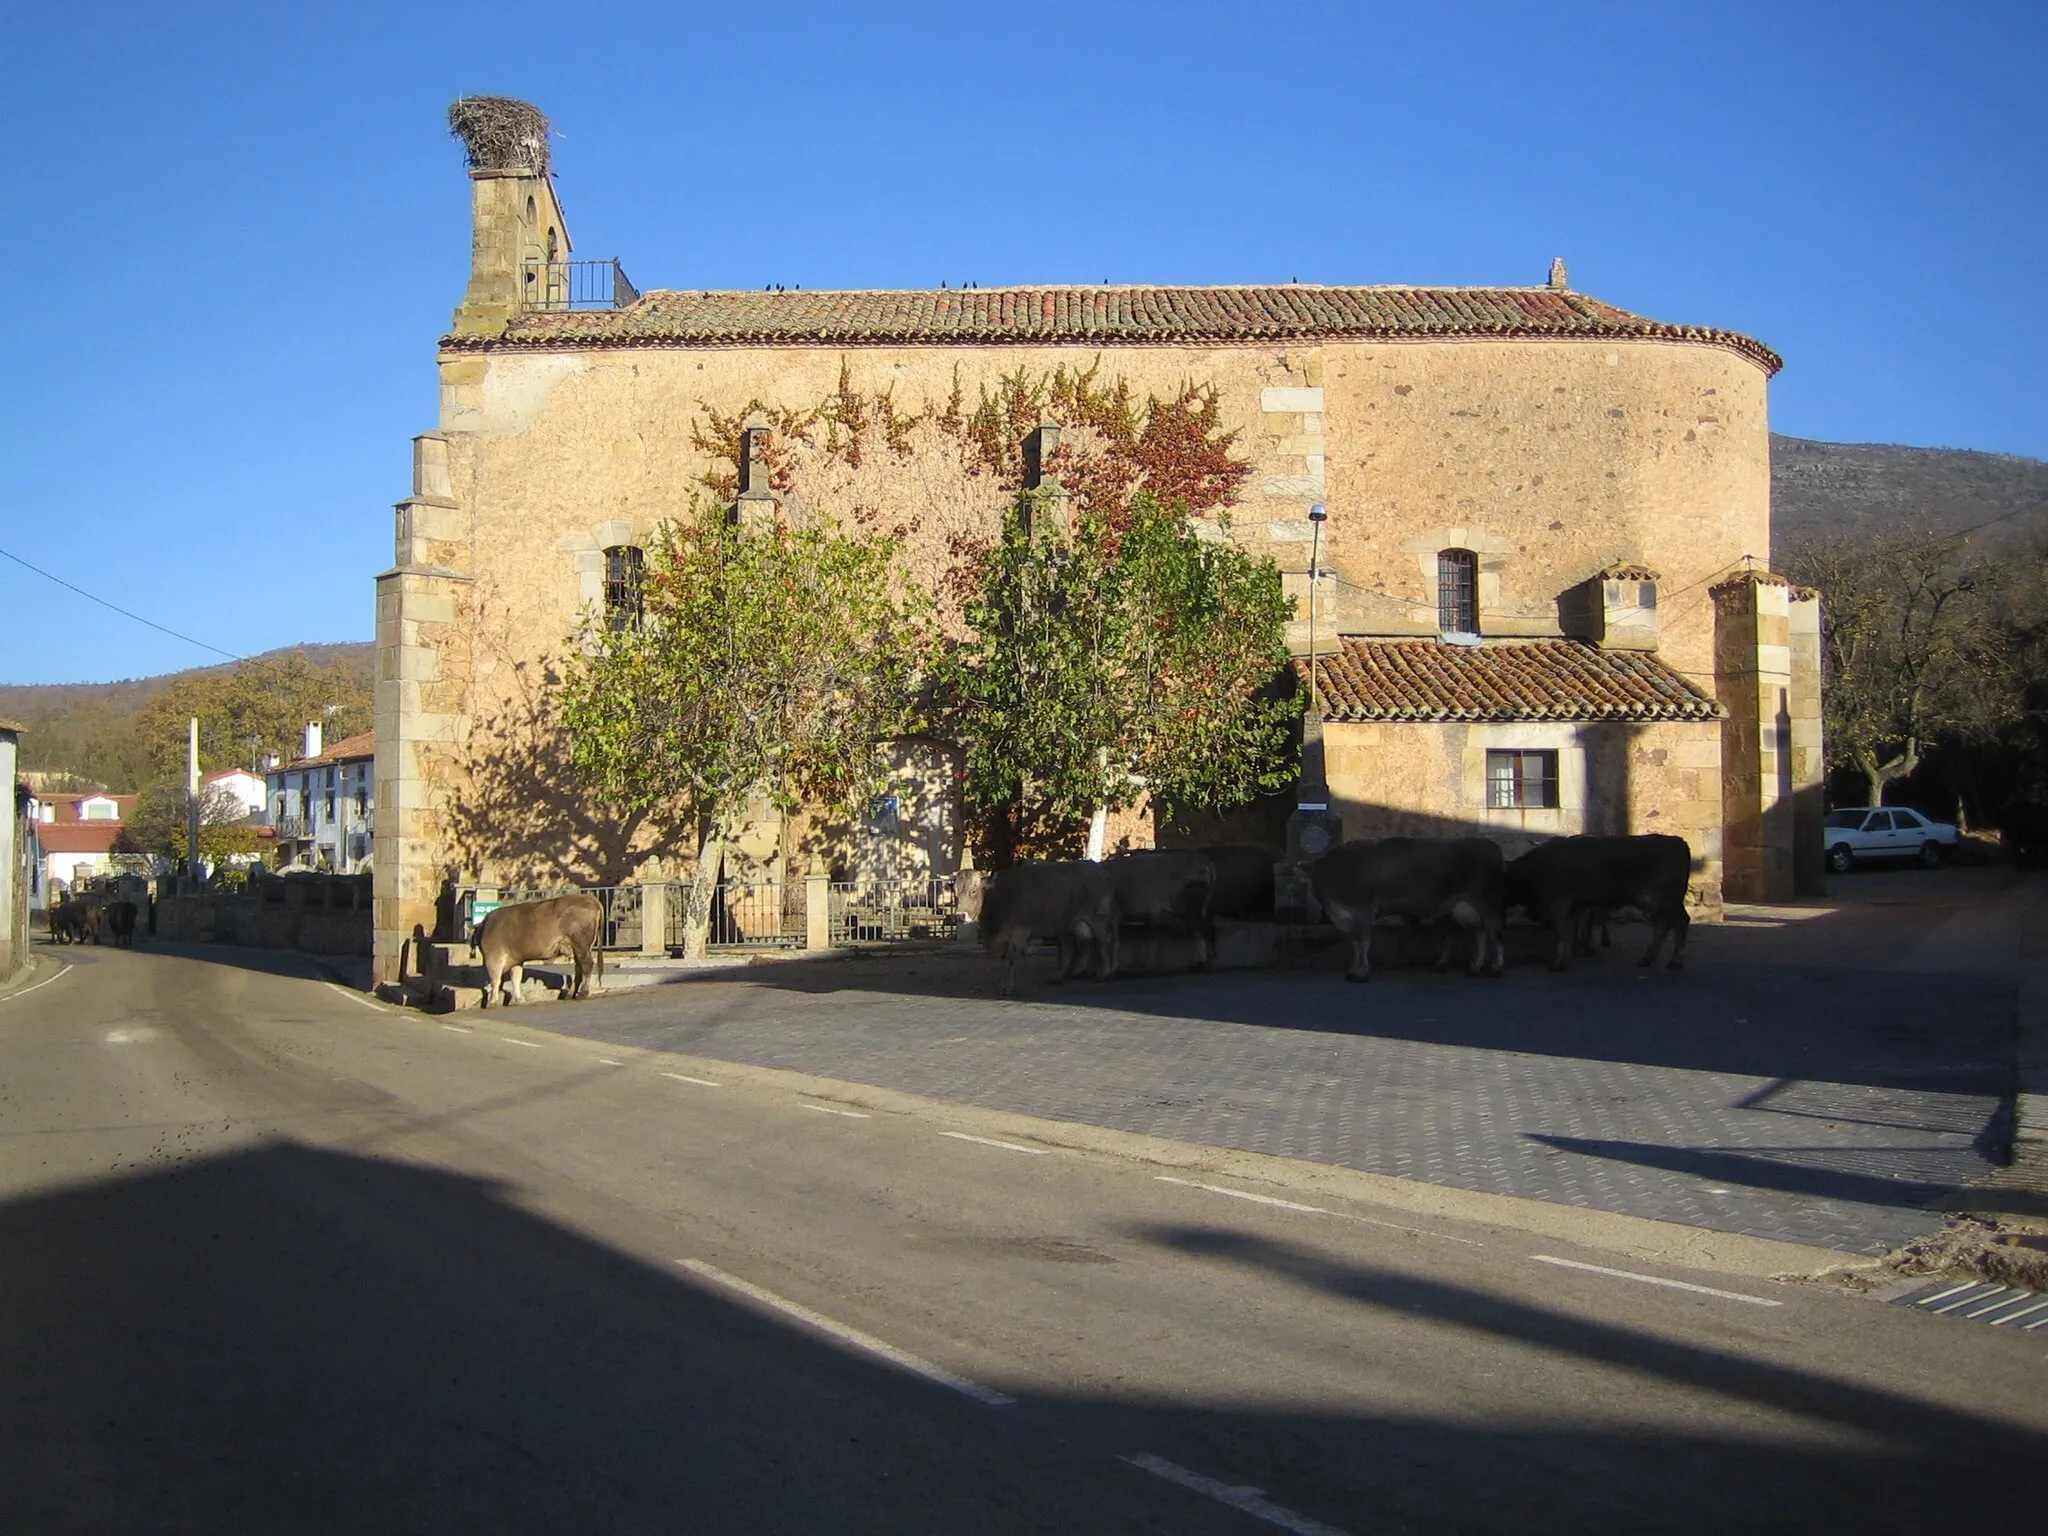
[
  {"x": 1072, "y": 904},
  {"x": 526, "y": 931},
  {"x": 1563, "y": 882},
  {"x": 121, "y": 923},
  {"x": 1427, "y": 880}
]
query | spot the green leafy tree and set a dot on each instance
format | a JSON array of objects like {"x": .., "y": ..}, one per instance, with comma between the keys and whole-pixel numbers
[
  {"x": 161, "y": 825},
  {"x": 1114, "y": 663},
  {"x": 251, "y": 708},
  {"x": 767, "y": 662}
]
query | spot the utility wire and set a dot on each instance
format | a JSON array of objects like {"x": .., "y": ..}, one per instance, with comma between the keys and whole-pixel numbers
[{"x": 138, "y": 618}]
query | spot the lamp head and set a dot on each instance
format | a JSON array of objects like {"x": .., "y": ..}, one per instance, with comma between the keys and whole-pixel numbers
[{"x": 1318, "y": 513}]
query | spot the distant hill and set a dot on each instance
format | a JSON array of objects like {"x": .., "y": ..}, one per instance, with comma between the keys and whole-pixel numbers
[
  {"x": 1877, "y": 490},
  {"x": 87, "y": 730}
]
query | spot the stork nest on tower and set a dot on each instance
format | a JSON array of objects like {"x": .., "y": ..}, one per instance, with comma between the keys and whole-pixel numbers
[{"x": 501, "y": 133}]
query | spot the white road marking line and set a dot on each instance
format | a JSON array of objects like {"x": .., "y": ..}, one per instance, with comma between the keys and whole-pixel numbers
[
  {"x": 531, "y": 1045},
  {"x": 62, "y": 971},
  {"x": 826, "y": 1109},
  {"x": 1676, "y": 1285},
  {"x": 701, "y": 1082},
  {"x": 457, "y": 1029},
  {"x": 990, "y": 1141},
  {"x": 1251, "y": 1500},
  {"x": 866, "y": 1342},
  {"x": 606, "y": 1061},
  {"x": 1243, "y": 1194},
  {"x": 133, "y": 1035},
  {"x": 1442, "y": 1237},
  {"x": 355, "y": 997}
]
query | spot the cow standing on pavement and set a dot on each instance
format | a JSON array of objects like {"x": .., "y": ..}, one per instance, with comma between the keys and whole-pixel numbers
[
  {"x": 512, "y": 936},
  {"x": 121, "y": 923},
  {"x": 1564, "y": 882},
  {"x": 1461, "y": 881},
  {"x": 1071, "y": 904}
]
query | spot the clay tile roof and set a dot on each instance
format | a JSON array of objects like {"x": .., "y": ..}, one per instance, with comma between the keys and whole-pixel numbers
[
  {"x": 1099, "y": 316},
  {"x": 77, "y": 836},
  {"x": 1370, "y": 680},
  {"x": 1627, "y": 572},
  {"x": 349, "y": 748}
]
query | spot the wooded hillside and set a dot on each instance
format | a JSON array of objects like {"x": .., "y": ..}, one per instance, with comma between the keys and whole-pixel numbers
[{"x": 128, "y": 734}]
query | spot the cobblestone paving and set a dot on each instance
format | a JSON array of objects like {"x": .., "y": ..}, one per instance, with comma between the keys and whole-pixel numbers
[{"x": 1834, "y": 1107}]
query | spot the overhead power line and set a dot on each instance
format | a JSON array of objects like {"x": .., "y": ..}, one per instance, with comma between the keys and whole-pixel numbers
[{"x": 117, "y": 608}]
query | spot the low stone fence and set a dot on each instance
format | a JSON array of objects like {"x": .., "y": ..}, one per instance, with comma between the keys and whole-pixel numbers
[{"x": 314, "y": 914}]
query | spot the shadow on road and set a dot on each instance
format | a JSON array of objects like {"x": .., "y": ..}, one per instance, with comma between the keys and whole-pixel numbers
[{"x": 294, "y": 1339}]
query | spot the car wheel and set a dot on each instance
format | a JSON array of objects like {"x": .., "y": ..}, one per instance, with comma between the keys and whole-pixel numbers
[
  {"x": 1840, "y": 859},
  {"x": 1930, "y": 855}
]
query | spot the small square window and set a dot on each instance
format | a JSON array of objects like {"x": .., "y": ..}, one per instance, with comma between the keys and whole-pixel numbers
[{"x": 1521, "y": 781}]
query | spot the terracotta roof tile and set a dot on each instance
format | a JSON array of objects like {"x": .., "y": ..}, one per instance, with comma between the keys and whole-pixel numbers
[
  {"x": 1104, "y": 316},
  {"x": 348, "y": 749},
  {"x": 1370, "y": 680},
  {"x": 77, "y": 836}
]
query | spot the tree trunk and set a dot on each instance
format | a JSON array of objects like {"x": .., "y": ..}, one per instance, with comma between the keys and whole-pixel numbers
[
  {"x": 703, "y": 883},
  {"x": 1098, "y": 829},
  {"x": 1880, "y": 774}
]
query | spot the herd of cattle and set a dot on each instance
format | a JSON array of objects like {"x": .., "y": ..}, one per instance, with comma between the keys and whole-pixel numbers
[
  {"x": 77, "y": 919},
  {"x": 1568, "y": 885}
]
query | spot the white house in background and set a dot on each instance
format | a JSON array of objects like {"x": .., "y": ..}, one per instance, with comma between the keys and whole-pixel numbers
[
  {"x": 322, "y": 804},
  {"x": 249, "y": 790},
  {"x": 72, "y": 837}
]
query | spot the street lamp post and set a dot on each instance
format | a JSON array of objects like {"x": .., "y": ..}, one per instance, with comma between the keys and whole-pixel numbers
[{"x": 1311, "y": 831}]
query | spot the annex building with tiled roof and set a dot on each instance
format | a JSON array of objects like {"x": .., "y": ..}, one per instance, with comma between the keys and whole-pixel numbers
[{"x": 1528, "y": 531}]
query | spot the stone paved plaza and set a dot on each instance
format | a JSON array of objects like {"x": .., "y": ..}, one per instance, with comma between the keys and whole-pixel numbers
[{"x": 1831, "y": 1076}]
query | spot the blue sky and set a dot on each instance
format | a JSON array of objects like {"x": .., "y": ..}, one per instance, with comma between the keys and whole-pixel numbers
[{"x": 240, "y": 228}]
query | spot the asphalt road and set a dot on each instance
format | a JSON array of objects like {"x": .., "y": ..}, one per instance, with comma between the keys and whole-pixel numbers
[{"x": 274, "y": 1258}]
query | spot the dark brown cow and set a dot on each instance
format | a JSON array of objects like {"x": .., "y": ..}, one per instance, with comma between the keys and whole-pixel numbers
[
  {"x": 1244, "y": 881},
  {"x": 121, "y": 923},
  {"x": 67, "y": 921},
  {"x": 1427, "y": 880},
  {"x": 1561, "y": 882},
  {"x": 527, "y": 931},
  {"x": 1072, "y": 904}
]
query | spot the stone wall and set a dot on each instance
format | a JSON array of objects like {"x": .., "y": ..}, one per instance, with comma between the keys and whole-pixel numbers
[{"x": 313, "y": 915}]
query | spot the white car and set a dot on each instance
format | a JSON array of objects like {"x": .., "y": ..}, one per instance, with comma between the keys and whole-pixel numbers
[{"x": 1891, "y": 833}]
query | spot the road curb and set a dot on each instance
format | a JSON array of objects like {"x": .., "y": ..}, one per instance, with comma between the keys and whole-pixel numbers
[
  {"x": 30, "y": 973},
  {"x": 1636, "y": 1237}
]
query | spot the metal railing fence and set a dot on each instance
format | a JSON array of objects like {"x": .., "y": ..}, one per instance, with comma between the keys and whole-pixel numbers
[
  {"x": 565, "y": 285},
  {"x": 896, "y": 910},
  {"x": 745, "y": 914}
]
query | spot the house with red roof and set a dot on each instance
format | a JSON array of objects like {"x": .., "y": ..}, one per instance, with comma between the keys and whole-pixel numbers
[
  {"x": 73, "y": 836},
  {"x": 323, "y": 804}
]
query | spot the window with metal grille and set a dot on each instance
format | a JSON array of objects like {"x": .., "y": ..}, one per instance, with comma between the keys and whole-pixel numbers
[
  {"x": 1521, "y": 781},
  {"x": 1457, "y": 592},
  {"x": 623, "y": 564}
]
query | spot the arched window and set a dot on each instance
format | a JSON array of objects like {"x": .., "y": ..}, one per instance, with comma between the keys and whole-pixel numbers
[
  {"x": 1457, "y": 592},
  {"x": 623, "y": 565}
]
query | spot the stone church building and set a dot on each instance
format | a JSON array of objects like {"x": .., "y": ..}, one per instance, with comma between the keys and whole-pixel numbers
[{"x": 1543, "y": 602}]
